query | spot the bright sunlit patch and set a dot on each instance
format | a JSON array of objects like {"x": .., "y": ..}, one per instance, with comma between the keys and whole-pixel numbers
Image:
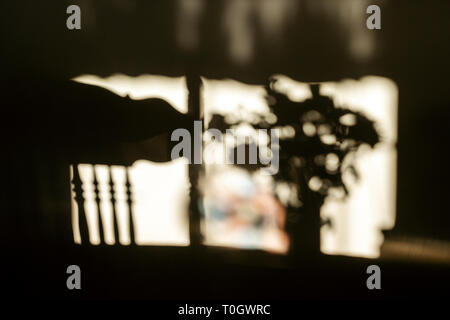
[
  {"x": 348, "y": 120},
  {"x": 161, "y": 208},
  {"x": 159, "y": 189},
  {"x": 331, "y": 162},
  {"x": 158, "y": 209},
  {"x": 309, "y": 129},
  {"x": 142, "y": 87},
  {"x": 296, "y": 91},
  {"x": 357, "y": 220},
  {"x": 370, "y": 207},
  {"x": 315, "y": 183},
  {"x": 328, "y": 138},
  {"x": 241, "y": 210},
  {"x": 234, "y": 100}
]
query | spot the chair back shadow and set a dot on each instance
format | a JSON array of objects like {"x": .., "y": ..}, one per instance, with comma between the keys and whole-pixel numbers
[{"x": 77, "y": 185}]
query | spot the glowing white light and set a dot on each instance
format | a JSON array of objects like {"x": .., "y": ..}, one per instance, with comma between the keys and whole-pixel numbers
[{"x": 309, "y": 129}]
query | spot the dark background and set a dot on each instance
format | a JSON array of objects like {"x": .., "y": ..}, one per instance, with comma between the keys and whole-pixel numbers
[{"x": 412, "y": 48}]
